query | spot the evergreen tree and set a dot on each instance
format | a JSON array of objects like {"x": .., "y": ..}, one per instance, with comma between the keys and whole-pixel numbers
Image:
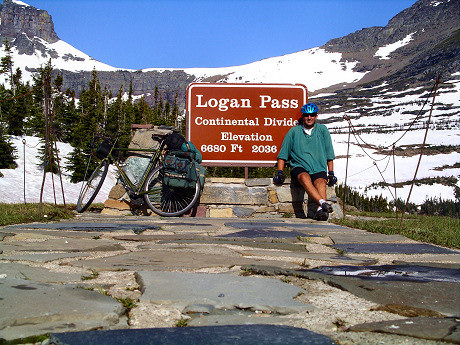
[
  {"x": 7, "y": 151},
  {"x": 20, "y": 106},
  {"x": 115, "y": 116},
  {"x": 91, "y": 112},
  {"x": 7, "y": 64},
  {"x": 52, "y": 155},
  {"x": 130, "y": 117},
  {"x": 77, "y": 164},
  {"x": 60, "y": 130},
  {"x": 143, "y": 112},
  {"x": 89, "y": 122},
  {"x": 14, "y": 109},
  {"x": 48, "y": 155},
  {"x": 166, "y": 114},
  {"x": 175, "y": 114},
  {"x": 36, "y": 121}
]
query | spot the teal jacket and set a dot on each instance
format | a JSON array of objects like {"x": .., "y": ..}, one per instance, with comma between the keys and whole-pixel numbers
[{"x": 310, "y": 152}]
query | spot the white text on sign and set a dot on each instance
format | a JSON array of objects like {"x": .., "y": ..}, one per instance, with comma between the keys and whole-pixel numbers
[{"x": 224, "y": 104}]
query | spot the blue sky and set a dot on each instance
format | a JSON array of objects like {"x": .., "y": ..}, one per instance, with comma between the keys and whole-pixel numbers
[{"x": 141, "y": 34}]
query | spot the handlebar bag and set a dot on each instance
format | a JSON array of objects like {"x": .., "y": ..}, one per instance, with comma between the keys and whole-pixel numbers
[{"x": 103, "y": 149}]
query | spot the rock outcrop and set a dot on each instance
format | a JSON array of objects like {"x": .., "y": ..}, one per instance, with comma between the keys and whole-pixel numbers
[{"x": 17, "y": 20}]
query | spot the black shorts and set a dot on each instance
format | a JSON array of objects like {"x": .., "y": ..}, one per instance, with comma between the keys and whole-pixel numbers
[{"x": 298, "y": 170}]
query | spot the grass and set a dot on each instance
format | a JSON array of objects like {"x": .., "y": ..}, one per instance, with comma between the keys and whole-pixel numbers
[
  {"x": 34, "y": 339},
  {"x": 127, "y": 302},
  {"x": 443, "y": 231},
  {"x": 181, "y": 323},
  {"x": 93, "y": 275},
  {"x": 28, "y": 213}
]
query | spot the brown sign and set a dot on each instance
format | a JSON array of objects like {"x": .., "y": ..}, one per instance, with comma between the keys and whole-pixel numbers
[{"x": 242, "y": 124}]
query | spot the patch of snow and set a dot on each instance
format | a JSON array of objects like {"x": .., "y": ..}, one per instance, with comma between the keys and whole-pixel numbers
[
  {"x": 12, "y": 183},
  {"x": 69, "y": 58},
  {"x": 20, "y": 3},
  {"x": 316, "y": 68},
  {"x": 435, "y": 3},
  {"x": 384, "y": 52},
  {"x": 322, "y": 95},
  {"x": 377, "y": 86}
]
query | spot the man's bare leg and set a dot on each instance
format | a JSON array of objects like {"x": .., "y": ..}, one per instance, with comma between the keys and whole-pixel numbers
[
  {"x": 311, "y": 189},
  {"x": 320, "y": 185},
  {"x": 316, "y": 191}
]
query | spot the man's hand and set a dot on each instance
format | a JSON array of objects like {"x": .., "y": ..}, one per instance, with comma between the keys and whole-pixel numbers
[
  {"x": 279, "y": 177},
  {"x": 331, "y": 179}
]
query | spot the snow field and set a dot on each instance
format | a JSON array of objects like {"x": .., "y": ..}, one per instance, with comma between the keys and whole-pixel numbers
[{"x": 12, "y": 184}]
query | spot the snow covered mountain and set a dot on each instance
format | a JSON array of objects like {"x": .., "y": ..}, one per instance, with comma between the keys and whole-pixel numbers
[
  {"x": 379, "y": 78},
  {"x": 34, "y": 43}
]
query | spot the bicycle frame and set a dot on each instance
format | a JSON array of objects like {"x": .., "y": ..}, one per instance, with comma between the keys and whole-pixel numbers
[{"x": 154, "y": 159}]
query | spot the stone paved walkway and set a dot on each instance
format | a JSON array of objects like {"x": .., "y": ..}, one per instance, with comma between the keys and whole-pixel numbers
[{"x": 267, "y": 278}]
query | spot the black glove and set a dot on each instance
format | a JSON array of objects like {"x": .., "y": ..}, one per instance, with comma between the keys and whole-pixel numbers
[
  {"x": 279, "y": 177},
  {"x": 331, "y": 179}
]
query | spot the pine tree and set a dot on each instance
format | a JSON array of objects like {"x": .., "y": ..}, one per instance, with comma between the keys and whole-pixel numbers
[
  {"x": 89, "y": 122},
  {"x": 36, "y": 121},
  {"x": 6, "y": 63},
  {"x": 48, "y": 156},
  {"x": 115, "y": 117},
  {"x": 77, "y": 163},
  {"x": 20, "y": 106},
  {"x": 143, "y": 111},
  {"x": 52, "y": 155},
  {"x": 175, "y": 114},
  {"x": 7, "y": 151},
  {"x": 14, "y": 109}
]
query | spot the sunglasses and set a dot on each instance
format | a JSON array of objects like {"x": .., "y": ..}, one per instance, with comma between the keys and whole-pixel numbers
[{"x": 310, "y": 115}]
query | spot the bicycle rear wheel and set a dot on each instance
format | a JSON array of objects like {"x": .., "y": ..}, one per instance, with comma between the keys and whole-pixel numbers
[
  {"x": 92, "y": 186},
  {"x": 168, "y": 201}
]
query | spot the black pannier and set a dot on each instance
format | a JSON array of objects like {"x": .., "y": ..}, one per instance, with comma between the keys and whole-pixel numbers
[{"x": 103, "y": 149}]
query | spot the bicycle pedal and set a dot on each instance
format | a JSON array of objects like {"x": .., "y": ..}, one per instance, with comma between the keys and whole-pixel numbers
[{"x": 136, "y": 200}]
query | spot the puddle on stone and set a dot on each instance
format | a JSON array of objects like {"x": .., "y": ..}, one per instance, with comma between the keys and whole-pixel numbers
[{"x": 394, "y": 272}]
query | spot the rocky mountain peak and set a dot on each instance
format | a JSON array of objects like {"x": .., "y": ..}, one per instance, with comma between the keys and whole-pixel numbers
[
  {"x": 424, "y": 37},
  {"x": 19, "y": 19},
  {"x": 426, "y": 19}
]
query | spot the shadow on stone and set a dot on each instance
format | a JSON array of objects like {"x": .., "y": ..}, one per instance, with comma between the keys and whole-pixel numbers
[
  {"x": 392, "y": 248},
  {"x": 93, "y": 226},
  {"x": 238, "y": 334}
]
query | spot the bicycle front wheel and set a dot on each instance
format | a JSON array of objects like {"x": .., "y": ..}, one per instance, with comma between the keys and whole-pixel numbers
[
  {"x": 92, "y": 186},
  {"x": 169, "y": 201}
]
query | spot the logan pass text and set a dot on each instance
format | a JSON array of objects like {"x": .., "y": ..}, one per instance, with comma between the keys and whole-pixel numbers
[{"x": 266, "y": 101}]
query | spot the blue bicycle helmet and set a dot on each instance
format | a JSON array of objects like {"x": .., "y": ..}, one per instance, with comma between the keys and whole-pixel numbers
[{"x": 309, "y": 108}]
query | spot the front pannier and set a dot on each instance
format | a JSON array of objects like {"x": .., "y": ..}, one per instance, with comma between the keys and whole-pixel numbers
[{"x": 180, "y": 170}]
